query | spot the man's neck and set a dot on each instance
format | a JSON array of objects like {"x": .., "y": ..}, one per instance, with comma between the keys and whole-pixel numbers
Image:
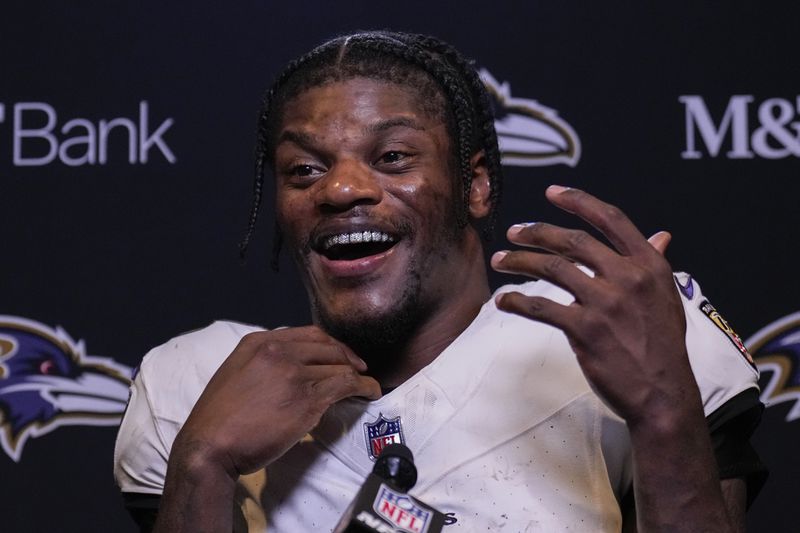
[
  {"x": 425, "y": 346},
  {"x": 454, "y": 313}
]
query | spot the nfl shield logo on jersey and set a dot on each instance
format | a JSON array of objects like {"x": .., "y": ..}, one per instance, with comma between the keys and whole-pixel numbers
[
  {"x": 381, "y": 433},
  {"x": 401, "y": 511}
]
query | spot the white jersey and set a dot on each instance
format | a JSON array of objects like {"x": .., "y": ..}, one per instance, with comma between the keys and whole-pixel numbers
[{"x": 506, "y": 432}]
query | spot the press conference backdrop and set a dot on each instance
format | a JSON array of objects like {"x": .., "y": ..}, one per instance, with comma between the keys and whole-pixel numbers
[{"x": 126, "y": 141}]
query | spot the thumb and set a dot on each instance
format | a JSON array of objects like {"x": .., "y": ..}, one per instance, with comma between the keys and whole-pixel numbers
[{"x": 660, "y": 241}]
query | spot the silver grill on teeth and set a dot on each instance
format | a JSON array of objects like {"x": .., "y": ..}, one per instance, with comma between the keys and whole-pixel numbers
[{"x": 356, "y": 237}]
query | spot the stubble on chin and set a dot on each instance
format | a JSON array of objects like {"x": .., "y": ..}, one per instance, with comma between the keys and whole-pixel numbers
[
  {"x": 377, "y": 336},
  {"x": 372, "y": 334}
]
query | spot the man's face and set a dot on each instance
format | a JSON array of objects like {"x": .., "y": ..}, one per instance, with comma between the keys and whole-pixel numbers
[{"x": 367, "y": 203}]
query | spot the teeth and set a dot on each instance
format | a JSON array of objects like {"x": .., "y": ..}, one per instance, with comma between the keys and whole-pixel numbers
[{"x": 356, "y": 237}]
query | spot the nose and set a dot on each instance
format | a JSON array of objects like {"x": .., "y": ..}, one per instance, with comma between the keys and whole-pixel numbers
[{"x": 348, "y": 184}]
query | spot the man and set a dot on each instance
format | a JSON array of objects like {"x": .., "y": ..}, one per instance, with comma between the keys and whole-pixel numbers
[{"x": 568, "y": 403}]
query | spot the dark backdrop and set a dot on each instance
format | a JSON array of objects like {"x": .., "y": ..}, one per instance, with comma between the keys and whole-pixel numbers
[{"x": 124, "y": 255}]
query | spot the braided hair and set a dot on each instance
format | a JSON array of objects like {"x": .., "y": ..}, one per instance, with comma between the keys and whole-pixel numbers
[{"x": 448, "y": 86}]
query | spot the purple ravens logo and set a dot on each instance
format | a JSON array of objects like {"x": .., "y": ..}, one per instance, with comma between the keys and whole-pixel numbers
[
  {"x": 528, "y": 133},
  {"x": 776, "y": 349},
  {"x": 47, "y": 381}
]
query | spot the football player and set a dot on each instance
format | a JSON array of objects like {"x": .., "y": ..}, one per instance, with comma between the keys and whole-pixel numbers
[{"x": 581, "y": 401}]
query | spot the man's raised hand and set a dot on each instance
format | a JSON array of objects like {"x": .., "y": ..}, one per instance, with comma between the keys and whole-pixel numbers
[{"x": 626, "y": 324}]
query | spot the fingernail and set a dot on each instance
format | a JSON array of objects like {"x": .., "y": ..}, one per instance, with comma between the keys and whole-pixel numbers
[
  {"x": 498, "y": 256},
  {"x": 516, "y": 228},
  {"x": 357, "y": 360},
  {"x": 558, "y": 189}
]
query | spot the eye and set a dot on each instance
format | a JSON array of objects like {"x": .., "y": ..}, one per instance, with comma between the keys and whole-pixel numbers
[
  {"x": 392, "y": 157},
  {"x": 301, "y": 174},
  {"x": 47, "y": 367},
  {"x": 302, "y": 170}
]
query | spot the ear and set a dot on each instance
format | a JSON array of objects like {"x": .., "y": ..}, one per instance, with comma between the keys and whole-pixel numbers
[{"x": 480, "y": 189}]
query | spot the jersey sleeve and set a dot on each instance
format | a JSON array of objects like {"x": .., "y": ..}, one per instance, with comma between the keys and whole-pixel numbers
[
  {"x": 728, "y": 381},
  {"x": 141, "y": 452},
  {"x": 170, "y": 379},
  {"x": 720, "y": 362}
]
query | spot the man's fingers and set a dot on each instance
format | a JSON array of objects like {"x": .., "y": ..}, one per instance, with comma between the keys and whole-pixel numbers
[
  {"x": 301, "y": 333},
  {"x": 541, "y": 309},
  {"x": 576, "y": 245},
  {"x": 327, "y": 351},
  {"x": 610, "y": 220},
  {"x": 344, "y": 382},
  {"x": 553, "y": 268},
  {"x": 317, "y": 373},
  {"x": 660, "y": 241}
]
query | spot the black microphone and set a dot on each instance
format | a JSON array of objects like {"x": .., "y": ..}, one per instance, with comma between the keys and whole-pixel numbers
[{"x": 383, "y": 504}]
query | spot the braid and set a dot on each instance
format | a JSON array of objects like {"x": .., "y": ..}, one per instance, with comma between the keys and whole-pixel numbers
[
  {"x": 258, "y": 185},
  {"x": 486, "y": 130},
  {"x": 263, "y": 157},
  {"x": 447, "y": 82},
  {"x": 455, "y": 94}
]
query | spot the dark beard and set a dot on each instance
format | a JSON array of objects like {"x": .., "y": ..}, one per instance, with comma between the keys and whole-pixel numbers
[
  {"x": 376, "y": 338},
  {"x": 379, "y": 339}
]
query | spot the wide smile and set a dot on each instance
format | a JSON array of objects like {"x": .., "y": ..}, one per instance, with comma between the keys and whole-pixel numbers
[
  {"x": 354, "y": 253},
  {"x": 356, "y": 244}
]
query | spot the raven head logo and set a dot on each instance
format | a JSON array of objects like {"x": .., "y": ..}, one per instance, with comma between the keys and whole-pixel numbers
[
  {"x": 776, "y": 349},
  {"x": 528, "y": 133},
  {"x": 47, "y": 381}
]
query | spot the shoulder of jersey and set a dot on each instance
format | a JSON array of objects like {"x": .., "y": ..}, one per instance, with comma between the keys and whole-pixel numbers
[
  {"x": 202, "y": 350},
  {"x": 720, "y": 361}
]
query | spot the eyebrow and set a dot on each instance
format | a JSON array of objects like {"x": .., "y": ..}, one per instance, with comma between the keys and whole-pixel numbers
[
  {"x": 402, "y": 122},
  {"x": 305, "y": 139},
  {"x": 297, "y": 137}
]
